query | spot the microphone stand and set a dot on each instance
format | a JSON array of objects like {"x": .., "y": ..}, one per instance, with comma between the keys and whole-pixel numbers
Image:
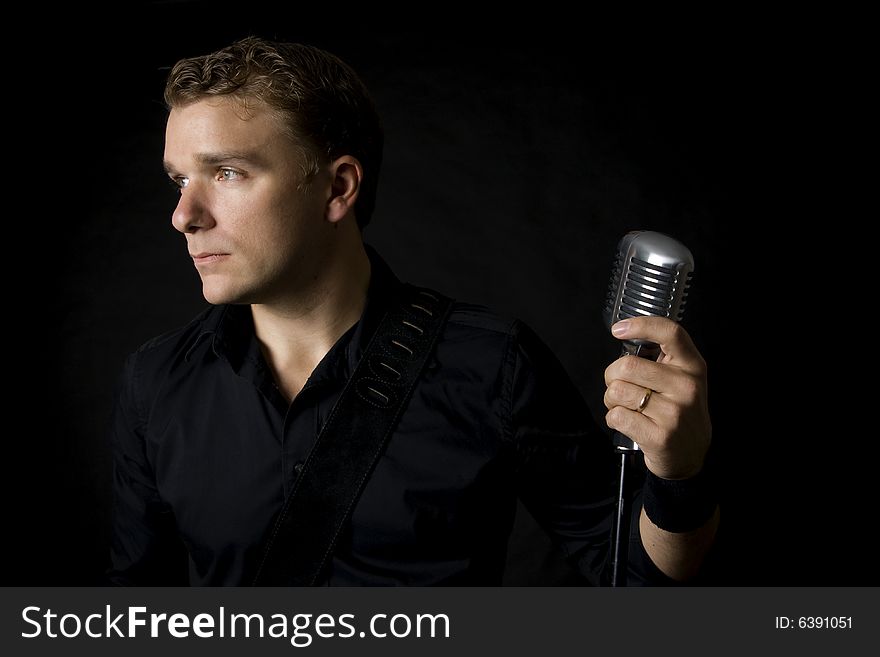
[
  {"x": 627, "y": 459},
  {"x": 628, "y": 455}
]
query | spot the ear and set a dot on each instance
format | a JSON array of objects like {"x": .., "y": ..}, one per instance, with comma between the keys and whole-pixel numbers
[{"x": 346, "y": 174}]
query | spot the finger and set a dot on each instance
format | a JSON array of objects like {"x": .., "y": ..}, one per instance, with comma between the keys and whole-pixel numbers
[
  {"x": 638, "y": 427},
  {"x": 638, "y": 371},
  {"x": 628, "y": 395},
  {"x": 675, "y": 342},
  {"x": 655, "y": 405},
  {"x": 676, "y": 385}
]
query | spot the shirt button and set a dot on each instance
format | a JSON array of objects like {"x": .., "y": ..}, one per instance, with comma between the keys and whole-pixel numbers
[{"x": 298, "y": 467}]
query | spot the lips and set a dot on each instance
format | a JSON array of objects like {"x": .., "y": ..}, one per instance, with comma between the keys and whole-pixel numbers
[{"x": 207, "y": 257}]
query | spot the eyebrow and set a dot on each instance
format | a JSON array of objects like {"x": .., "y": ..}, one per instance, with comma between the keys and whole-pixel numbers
[{"x": 213, "y": 159}]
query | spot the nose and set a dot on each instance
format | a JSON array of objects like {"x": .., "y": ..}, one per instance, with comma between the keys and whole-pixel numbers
[{"x": 191, "y": 213}]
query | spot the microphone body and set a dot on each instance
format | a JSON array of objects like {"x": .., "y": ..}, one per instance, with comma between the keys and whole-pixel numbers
[{"x": 650, "y": 277}]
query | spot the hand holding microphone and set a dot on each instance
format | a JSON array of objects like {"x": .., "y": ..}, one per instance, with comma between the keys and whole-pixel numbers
[
  {"x": 658, "y": 400},
  {"x": 672, "y": 428}
]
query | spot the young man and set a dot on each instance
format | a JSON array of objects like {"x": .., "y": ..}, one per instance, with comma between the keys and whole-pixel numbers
[{"x": 276, "y": 149}]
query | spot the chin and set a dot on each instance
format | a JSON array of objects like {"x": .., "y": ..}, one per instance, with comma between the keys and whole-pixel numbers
[{"x": 218, "y": 294}]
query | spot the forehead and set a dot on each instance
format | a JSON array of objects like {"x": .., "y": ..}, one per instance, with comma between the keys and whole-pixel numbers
[{"x": 221, "y": 124}]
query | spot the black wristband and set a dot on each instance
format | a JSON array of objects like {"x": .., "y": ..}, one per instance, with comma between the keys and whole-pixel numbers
[{"x": 680, "y": 505}]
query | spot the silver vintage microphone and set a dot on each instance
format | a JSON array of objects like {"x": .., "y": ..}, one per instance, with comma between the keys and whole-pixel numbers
[{"x": 651, "y": 276}]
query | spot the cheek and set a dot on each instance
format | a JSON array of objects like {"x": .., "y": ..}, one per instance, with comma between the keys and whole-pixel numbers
[
  {"x": 254, "y": 220},
  {"x": 266, "y": 235},
  {"x": 265, "y": 220}
]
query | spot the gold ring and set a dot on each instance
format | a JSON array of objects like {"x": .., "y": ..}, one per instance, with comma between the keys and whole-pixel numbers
[{"x": 645, "y": 399}]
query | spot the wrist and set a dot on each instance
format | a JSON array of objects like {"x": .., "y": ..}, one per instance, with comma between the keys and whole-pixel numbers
[{"x": 680, "y": 505}]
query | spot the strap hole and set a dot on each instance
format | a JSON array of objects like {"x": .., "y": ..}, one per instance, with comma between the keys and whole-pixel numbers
[
  {"x": 400, "y": 345},
  {"x": 423, "y": 309},
  {"x": 411, "y": 325}
]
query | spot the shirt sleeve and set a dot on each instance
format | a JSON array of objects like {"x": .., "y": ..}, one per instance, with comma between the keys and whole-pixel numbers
[
  {"x": 145, "y": 549},
  {"x": 565, "y": 470}
]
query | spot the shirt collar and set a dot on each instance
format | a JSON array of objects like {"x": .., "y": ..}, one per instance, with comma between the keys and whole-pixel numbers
[{"x": 232, "y": 331}]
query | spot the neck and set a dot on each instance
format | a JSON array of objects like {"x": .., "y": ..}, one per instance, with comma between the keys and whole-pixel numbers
[{"x": 296, "y": 333}]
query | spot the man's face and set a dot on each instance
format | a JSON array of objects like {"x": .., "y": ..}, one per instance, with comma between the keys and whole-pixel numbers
[{"x": 252, "y": 232}]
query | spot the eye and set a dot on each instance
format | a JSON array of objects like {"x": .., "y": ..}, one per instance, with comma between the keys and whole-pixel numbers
[
  {"x": 178, "y": 182},
  {"x": 228, "y": 175}
]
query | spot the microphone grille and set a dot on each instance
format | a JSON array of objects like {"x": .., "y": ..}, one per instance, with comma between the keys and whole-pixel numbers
[{"x": 650, "y": 276}]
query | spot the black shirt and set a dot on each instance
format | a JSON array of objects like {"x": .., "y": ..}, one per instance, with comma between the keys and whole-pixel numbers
[{"x": 205, "y": 449}]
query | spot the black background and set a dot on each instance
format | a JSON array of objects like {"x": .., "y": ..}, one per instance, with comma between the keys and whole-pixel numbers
[{"x": 519, "y": 149}]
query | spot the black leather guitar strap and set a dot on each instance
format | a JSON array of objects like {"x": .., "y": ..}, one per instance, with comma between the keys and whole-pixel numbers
[{"x": 353, "y": 438}]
